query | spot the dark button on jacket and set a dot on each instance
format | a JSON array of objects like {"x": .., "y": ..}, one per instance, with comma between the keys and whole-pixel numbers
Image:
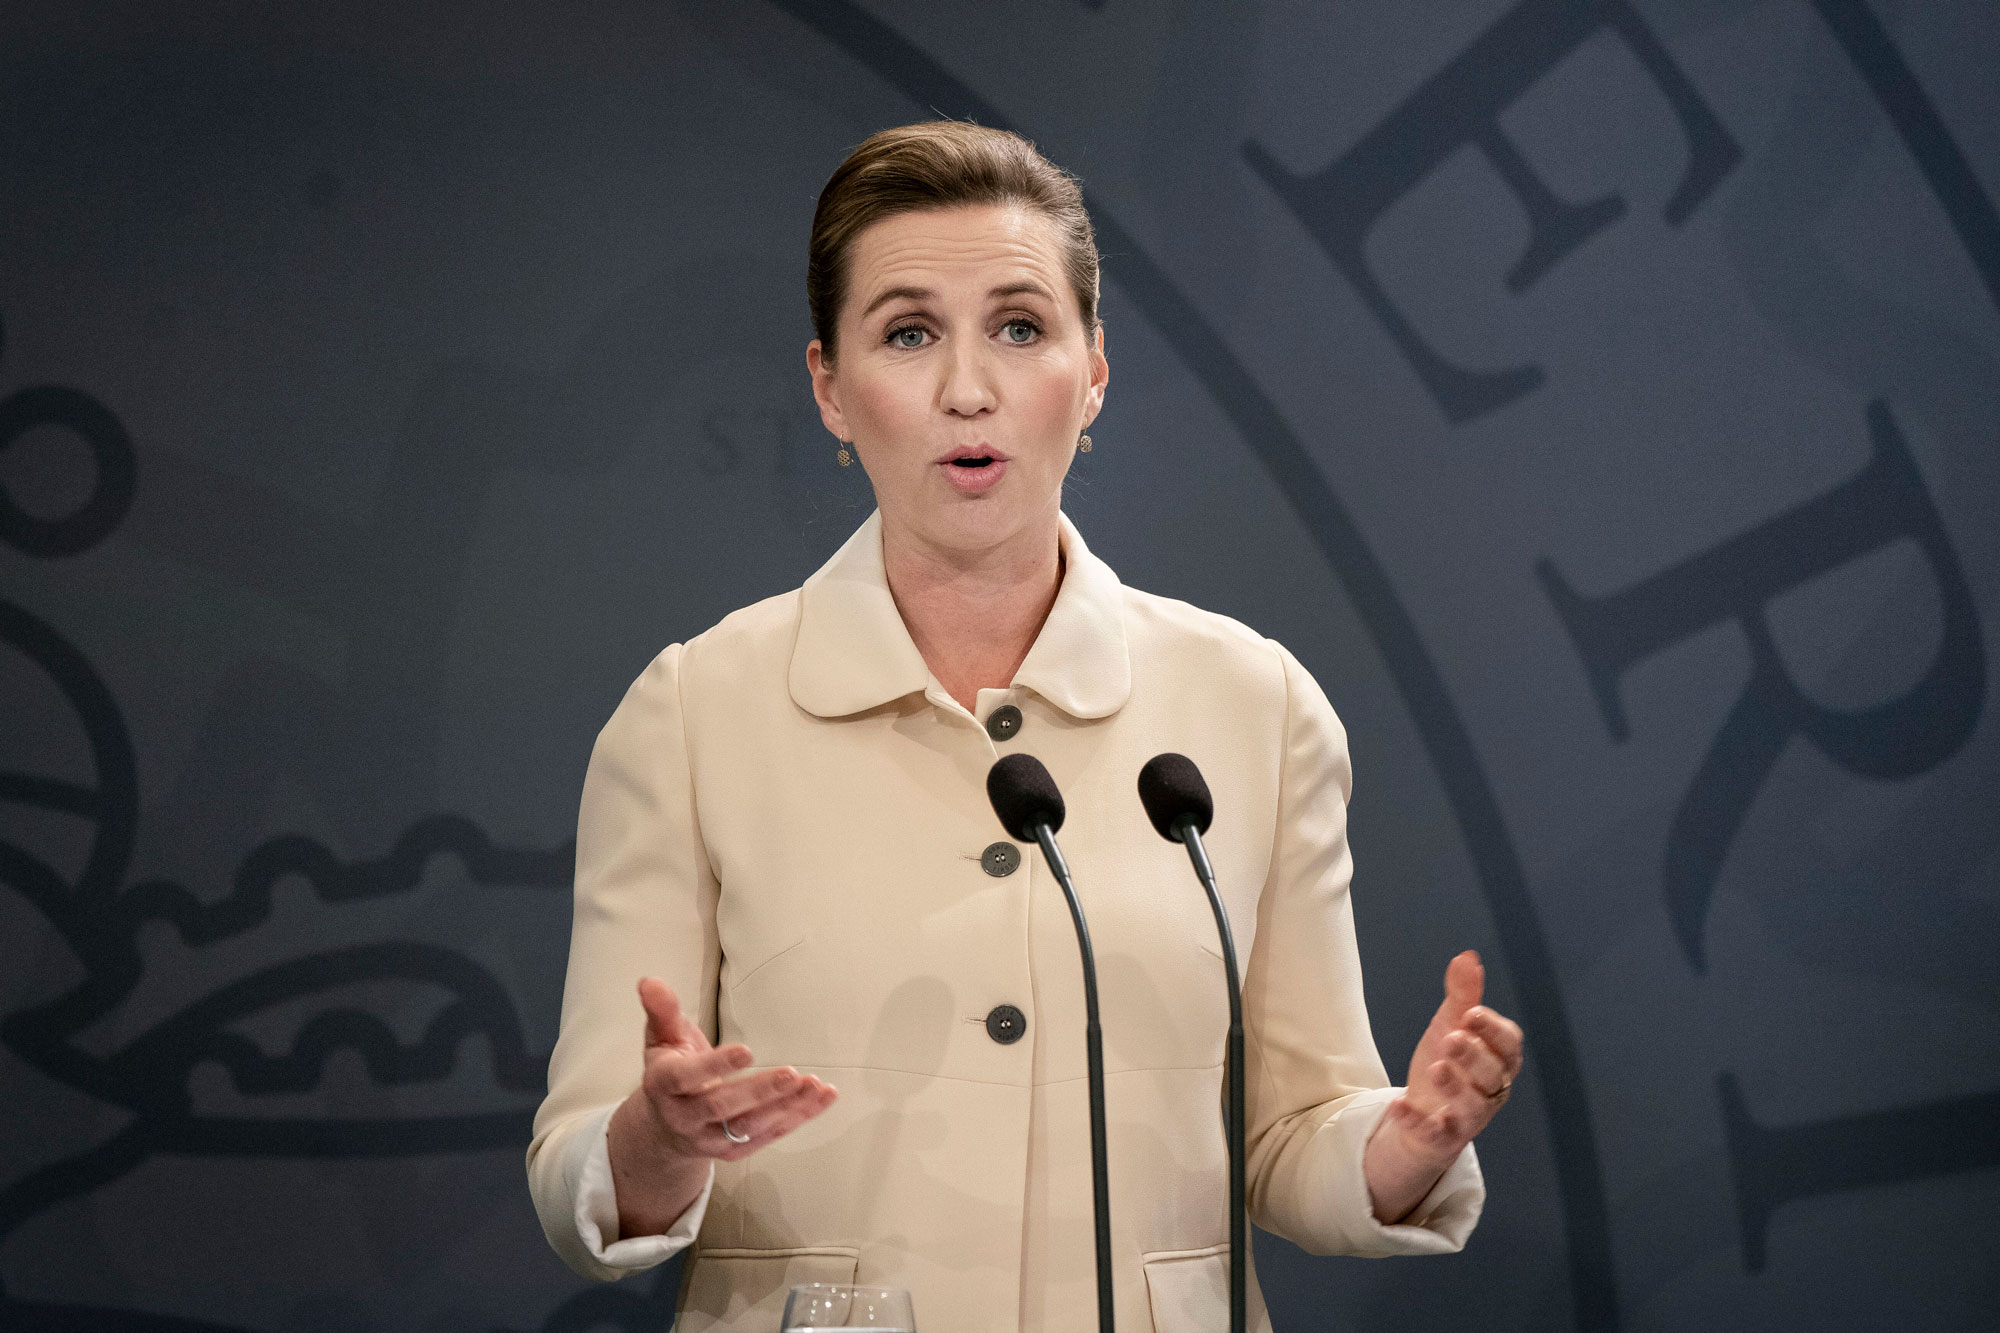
[
  {"x": 1001, "y": 858},
  {"x": 1004, "y": 722},
  {"x": 1006, "y": 1024}
]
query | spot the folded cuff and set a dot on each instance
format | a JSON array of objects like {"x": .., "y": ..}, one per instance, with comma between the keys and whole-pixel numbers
[
  {"x": 589, "y": 1172},
  {"x": 1442, "y": 1220}
]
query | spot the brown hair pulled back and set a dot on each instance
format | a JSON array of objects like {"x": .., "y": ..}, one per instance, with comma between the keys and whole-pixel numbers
[{"x": 940, "y": 164}]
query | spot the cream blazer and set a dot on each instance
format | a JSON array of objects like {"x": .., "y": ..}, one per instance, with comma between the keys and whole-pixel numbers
[{"x": 786, "y": 819}]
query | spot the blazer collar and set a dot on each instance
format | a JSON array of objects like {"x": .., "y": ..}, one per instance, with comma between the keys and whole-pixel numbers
[{"x": 853, "y": 652}]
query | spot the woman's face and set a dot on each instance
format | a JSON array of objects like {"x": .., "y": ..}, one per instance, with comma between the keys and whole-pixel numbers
[{"x": 963, "y": 373}]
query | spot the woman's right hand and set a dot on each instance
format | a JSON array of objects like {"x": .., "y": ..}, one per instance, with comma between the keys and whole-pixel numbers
[{"x": 664, "y": 1135}]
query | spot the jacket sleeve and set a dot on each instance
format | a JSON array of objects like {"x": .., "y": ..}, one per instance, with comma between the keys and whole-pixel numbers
[
  {"x": 644, "y": 906},
  {"x": 1314, "y": 1086}
]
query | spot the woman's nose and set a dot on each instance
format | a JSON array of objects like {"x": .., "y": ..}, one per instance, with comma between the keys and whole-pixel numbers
[{"x": 967, "y": 389}]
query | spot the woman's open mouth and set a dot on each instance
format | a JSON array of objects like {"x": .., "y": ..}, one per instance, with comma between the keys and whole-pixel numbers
[{"x": 973, "y": 470}]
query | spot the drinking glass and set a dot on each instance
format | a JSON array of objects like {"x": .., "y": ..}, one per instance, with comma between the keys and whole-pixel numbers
[{"x": 822, "y": 1307}]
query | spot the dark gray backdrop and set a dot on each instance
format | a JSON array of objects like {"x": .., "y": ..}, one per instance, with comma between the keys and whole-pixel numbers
[{"x": 1599, "y": 397}]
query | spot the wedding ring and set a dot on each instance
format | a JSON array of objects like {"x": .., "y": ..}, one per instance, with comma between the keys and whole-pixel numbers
[
  {"x": 732, "y": 1135},
  {"x": 1500, "y": 1092}
]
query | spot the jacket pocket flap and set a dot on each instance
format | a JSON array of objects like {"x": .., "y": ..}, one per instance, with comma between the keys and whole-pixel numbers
[
  {"x": 743, "y": 1288},
  {"x": 1188, "y": 1289}
]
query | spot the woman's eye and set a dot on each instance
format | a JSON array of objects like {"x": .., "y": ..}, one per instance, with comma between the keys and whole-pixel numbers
[
  {"x": 910, "y": 335},
  {"x": 1019, "y": 330}
]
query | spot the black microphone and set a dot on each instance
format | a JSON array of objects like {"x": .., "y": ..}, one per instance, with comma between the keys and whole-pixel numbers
[
  {"x": 1031, "y": 809},
  {"x": 1178, "y": 803}
]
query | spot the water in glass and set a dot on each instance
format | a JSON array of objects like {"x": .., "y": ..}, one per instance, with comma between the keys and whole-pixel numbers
[{"x": 823, "y": 1307}]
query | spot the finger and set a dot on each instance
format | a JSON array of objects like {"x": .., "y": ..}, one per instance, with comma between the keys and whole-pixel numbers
[
  {"x": 734, "y": 1098},
  {"x": 1465, "y": 1100},
  {"x": 1452, "y": 1127},
  {"x": 663, "y": 1012},
  {"x": 1422, "y": 1093},
  {"x": 1436, "y": 1134},
  {"x": 1421, "y": 1125},
  {"x": 775, "y": 1120},
  {"x": 804, "y": 1090},
  {"x": 1479, "y": 1064},
  {"x": 1467, "y": 1107},
  {"x": 1401, "y": 1115},
  {"x": 1431, "y": 1087},
  {"x": 1464, "y": 983},
  {"x": 671, "y": 1073},
  {"x": 1425, "y": 1093},
  {"x": 1498, "y": 1031}
]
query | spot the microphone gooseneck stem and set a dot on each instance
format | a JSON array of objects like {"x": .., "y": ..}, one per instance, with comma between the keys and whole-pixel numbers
[
  {"x": 1239, "y": 1227},
  {"x": 1093, "y": 1051}
]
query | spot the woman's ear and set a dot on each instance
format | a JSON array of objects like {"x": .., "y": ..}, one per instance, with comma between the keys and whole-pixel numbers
[
  {"x": 1100, "y": 378},
  {"x": 821, "y": 370}
]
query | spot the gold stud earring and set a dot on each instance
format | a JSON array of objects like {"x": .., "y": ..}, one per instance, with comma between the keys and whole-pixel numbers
[
  {"x": 845, "y": 455},
  {"x": 1083, "y": 444}
]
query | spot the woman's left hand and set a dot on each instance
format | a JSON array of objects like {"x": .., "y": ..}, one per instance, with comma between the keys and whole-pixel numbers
[{"x": 1459, "y": 1077}]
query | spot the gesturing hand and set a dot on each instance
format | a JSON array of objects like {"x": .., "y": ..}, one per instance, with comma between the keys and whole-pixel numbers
[
  {"x": 700, "y": 1110},
  {"x": 1463, "y": 1067},
  {"x": 688, "y": 1109}
]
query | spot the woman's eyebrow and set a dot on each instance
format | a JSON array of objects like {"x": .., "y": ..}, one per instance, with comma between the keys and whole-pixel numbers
[{"x": 926, "y": 294}]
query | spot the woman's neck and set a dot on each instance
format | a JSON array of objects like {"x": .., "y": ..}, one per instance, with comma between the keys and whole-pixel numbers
[{"x": 974, "y": 616}]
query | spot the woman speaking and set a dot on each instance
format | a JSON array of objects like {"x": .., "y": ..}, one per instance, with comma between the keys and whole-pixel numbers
[{"x": 820, "y": 1023}]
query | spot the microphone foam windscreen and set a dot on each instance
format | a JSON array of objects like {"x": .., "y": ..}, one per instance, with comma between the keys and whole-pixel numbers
[
  {"x": 1171, "y": 789},
  {"x": 1024, "y": 795}
]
